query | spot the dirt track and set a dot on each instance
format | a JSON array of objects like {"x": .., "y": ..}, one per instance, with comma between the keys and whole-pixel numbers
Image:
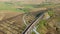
[{"x": 8, "y": 21}]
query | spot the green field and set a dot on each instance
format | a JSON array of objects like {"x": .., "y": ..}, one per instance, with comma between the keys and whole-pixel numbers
[
  {"x": 24, "y": 7},
  {"x": 14, "y": 7}
]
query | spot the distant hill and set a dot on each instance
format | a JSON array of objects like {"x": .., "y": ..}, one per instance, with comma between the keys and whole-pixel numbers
[
  {"x": 25, "y": 1},
  {"x": 32, "y": 1}
]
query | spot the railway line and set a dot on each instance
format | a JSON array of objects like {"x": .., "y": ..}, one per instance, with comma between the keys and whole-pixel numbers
[
  {"x": 10, "y": 26},
  {"x": 31, "y": 26}
]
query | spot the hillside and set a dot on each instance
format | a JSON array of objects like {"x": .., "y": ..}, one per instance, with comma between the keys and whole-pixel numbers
[{"x": 17, "y": 15}]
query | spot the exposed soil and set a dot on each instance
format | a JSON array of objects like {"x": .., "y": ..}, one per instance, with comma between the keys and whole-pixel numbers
[
  {"x": 7, "y": 14},
  {"x": 18, "y": 21},
  {"x": 51, "y": 27}
]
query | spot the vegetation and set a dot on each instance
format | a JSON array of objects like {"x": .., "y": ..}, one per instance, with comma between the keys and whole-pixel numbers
[
  {"x": 11, "y": 7},
  {"x": 24, "y": 7},
  {"x": 18, "y": 7},
  {"x": 42, "y": 24}
]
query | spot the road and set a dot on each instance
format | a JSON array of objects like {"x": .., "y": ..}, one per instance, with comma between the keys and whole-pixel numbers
[
  {"x": 10, "y": 26},
  {"x": 28, "y": 29}
]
